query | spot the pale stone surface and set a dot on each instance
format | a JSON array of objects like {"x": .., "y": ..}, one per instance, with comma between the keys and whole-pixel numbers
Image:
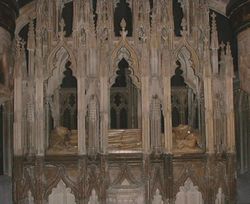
[
  {"x": 157, "y": 198},
  {"x": 220, "y": 197},
  {"x": 30, "y": 198},
  {"x": 93, "y": 198},
  {"x": 61, "y": 194},
  {"x": 125, "y": 193},
  {"x": 189, "y": 194}
]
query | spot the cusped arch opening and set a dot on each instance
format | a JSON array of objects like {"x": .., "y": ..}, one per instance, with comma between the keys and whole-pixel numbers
[
  {"x": 187, "y": 106},
  {"x": 123, "y": 99},
  {"x": 61, "y": 104},
  {"x": 125, "y": 108}
]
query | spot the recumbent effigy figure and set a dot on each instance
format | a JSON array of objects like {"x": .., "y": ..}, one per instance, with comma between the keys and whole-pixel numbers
[
  {"x": 186, "y": 139},
  {"x": 63, "y": 139}
]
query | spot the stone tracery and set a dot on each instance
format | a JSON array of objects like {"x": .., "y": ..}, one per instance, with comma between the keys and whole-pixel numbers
[{"x": 99, "y": 119}]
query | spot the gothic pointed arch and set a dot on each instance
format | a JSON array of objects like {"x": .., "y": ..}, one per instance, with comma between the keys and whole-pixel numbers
[
  {"x": 29, "y": 186},
  {"x": 61, "y": 98},
  {"x": 52, "y": 56},
  {"x": 94, "y": 181},
  {"x": 23, "y": 20},
  {"x": 184, "y": 45},
  {"x": 124, "y": 50},
  {"x": 124, "y": 96},
  {"x": 157, "y": 179},
  {"x": 186, "y": 104},
  {"x": 60, "y": 176},
  {"x": 125, "y": 177}
]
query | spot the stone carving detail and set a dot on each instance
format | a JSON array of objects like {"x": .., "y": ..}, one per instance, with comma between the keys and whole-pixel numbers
[
  {"x": 93, "y": 125},
  {"x": 126, "y": 195},
  {"x": 64, "y": 140},
  {"x": 61, "y": 195},
  {"x": 142, "y": 34},
  {"x": 186, "y": 139},
  {"x": 123, "y": 52},
  {"x": 155, "y": 124},
  {"x": 157, "y": 198},
  {"x": 119, "y": 140},
  {"x": 93, "y": 198},
  {"x": 88, "y": 154},
  {"x": 123, "y": 26},
  {"x": 220, "y": 197},
  {"x": 220, "y": 121},
  {"x": 189, "y": 194},
  {"x": 82, "y": 36},
  {"x": 125, "y": 189}
]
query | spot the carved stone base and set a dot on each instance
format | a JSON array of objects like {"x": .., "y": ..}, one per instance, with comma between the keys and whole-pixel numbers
[{"x": 126, "y": 178}]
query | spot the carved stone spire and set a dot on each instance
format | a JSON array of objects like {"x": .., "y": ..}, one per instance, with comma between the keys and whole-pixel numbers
[
  {"x": 229, "y": 60},
  {"x": 222, "y": 49},
  {"x": 214, "y": 46},
  {"x": 222, "y": 58},
  {"x": 214, "y": 34},
  {"x": 62, "y": 32},
  {"x": 184, "y": 31},
  {"x": 228, "y": 50},
  {"x": 31, "y": 36},
  {"x": 19, "y": 51},
  {"x": 31, "y": 45},
  {"x": 23, "y": 58},
  {"x": 18, "y": 46},
  {"x": 123, "y": 25}
]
